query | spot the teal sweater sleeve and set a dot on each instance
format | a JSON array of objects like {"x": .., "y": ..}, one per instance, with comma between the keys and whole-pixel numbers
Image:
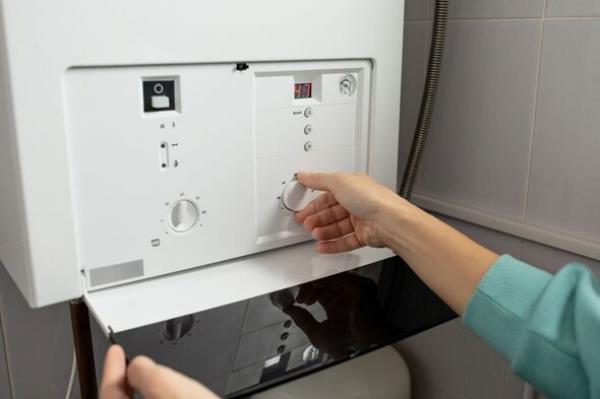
[{"x": 547, "y": 326}]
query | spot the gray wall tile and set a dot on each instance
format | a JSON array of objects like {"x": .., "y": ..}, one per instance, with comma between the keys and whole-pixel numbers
[
  {"x": 552, "y": 259},
  {"x": 479, "y": 147},
  {"x": 38, "y": 344},
  {"x": 418, "y": 9},
  {"x": 4, "y": 382},
  {"x": 451, "y": 362},
  {"x": 572, "y": 8},
  {"x": 497, "y": 242},
  {"x": 565, "y": 183},
  {"x": 415, "y": 56},
  {"x": 478, "y": 153},
  {"x": 496, "y": 8},
  {"x": 467, "y": 9}
]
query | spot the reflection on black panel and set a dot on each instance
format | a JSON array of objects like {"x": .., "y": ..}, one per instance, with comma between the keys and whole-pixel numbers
[{"x": 239, "y": 349}]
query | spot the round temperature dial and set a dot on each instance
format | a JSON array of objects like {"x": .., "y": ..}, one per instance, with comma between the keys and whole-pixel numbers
[
  {"x": 295, "y": 196},
  {"x": 184, "y": 216}
]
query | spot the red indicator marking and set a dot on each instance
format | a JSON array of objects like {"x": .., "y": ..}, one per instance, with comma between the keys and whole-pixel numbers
[{"x": 302, "y": 90}]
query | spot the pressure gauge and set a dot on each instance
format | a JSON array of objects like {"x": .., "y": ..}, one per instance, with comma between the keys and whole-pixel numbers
[{"x": 347, "y": 85}]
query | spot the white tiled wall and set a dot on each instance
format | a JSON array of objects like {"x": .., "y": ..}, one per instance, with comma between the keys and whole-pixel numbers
[
  {"x": 450, "y": 362},
  {"x": 478, "y": 154},
  {"x": 573, "y": 8},
  {"x": 515, "y": 134},
  {"x": 416, "y": 50},
  {"x": 463, "y": 9},
  {"x": 553, "y": 260},
  {"x": 564, "y": 192},
  {"x": 418, "y": 10},
  {"x": 467, "y": 9}
]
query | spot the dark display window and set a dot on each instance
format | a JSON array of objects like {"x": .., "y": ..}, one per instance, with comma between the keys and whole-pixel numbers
[{"x": 302, "y": 90}]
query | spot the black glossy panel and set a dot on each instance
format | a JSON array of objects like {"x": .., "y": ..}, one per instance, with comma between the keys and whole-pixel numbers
[{"x": 248, "y": 346}]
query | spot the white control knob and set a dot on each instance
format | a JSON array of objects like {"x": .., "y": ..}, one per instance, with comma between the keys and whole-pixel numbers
[
  {"x": 295, "y": 196},
  {"x": 184, "y": 216}
]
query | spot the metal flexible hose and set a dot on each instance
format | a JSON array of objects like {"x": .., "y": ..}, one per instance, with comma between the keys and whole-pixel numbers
[{"x": 436, "y": 56}]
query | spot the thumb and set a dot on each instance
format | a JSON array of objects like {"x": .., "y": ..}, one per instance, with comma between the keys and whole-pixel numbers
[
  {"x": 114, "y": 382},
  {"x": 317, "y": 181},
  {"x": 154, "y": 381}
]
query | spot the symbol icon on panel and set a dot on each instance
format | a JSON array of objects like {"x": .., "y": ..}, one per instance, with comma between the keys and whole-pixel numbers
[
  {"x": 347, "y": 85},
  {"x": 159, "y": 88},
  {"x": 159, "y": 95}
]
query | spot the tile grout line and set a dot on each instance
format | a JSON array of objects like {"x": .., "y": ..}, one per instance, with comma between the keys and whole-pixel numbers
[{"x": 534, "y": 119}]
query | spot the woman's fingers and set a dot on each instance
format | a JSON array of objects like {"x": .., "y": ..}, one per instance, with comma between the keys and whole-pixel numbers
[
  {"x": 333, "y": 231},
  {"x": 324, "y": 201},
  {"x": 345, "y": 244},
  {"x": 318, "y": 181},
  {"x": 114, "y": 375},
  {"x": 306, "y": 293},
  {"x": 154, "y": 381},
  {"x": 303, "y": 319},
  {"x": 325, "y": 217}
]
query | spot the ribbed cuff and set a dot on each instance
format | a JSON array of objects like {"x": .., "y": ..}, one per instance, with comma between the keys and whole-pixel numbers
[{"x": 502, "y": 302}]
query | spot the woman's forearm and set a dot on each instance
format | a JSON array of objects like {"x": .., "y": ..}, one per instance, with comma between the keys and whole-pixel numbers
[{"x": 447, "y": 261}]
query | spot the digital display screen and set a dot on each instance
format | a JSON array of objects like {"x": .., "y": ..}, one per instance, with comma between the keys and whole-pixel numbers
[{"x": 302, "y": 90}]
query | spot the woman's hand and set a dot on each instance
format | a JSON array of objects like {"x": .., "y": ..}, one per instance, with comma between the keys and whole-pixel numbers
[
  {"x": 355, "y": 211},
  {"x": 350, "y": 214},
  {"x": 151, "y": 380},
  {"x": 114, "y": 375}
]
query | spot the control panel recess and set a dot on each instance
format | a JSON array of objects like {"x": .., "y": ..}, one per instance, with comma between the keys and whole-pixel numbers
[{"x": 202, "y": 158}]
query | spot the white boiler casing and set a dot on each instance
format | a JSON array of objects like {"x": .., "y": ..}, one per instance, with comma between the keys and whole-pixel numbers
[{"x": 143, "y": 138}]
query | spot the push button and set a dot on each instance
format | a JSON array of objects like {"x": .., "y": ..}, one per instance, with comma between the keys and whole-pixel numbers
[{"x": 161, "y": 102}]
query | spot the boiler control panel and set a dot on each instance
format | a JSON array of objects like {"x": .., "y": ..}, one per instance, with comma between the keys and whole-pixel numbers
[{"x": 184, "y": 166}]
